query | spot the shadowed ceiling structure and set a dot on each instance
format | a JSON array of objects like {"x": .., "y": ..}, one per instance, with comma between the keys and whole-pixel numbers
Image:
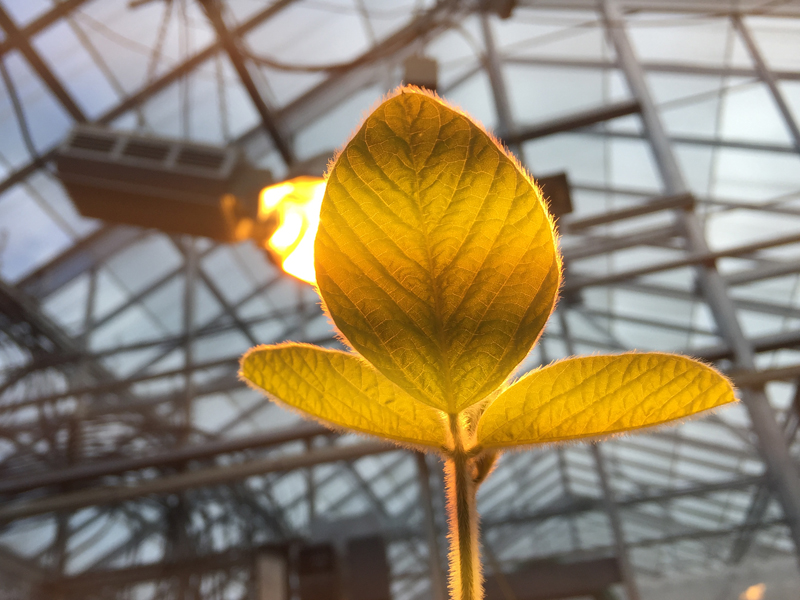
[{"x": 131, "y": 454}]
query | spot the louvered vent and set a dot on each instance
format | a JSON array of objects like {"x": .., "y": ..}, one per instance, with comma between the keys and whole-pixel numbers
[
  {"x": 93, "y": 142},
  {"x": 154, "y": 151},
  {"x": 172, "y": 185},
  {"x": 190, "y": 157}
]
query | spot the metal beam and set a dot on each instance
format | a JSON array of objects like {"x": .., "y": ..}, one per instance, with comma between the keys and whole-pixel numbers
[
  {"x": 190, "y": 479},
  {"x": 168, "y": 343},
  {"x": 764, "y": 343},
  {"x": 591, "y": 246},
  {"x": 762, "y": 496},
  {"x": 116, "y": 385},
  {"x": 54, "y": 15},
  {"x": 762, "y": 272},
  {"x": 706, "y": 258},
  {"x": 704, "y": 533},
  {"x": 691, "y": 141},
  {"x": 494, "y": 69},
  {"x": 683, "y": 201},
  {"x": 746, "y": 377},
  {"x": 243, "y": 559},
  {"x": 217, "y": 293},
  {"x": 80, "y": 258},
  {"x": 578, "y": 120},
  {"x": 230, "y": 44},
  {"x": 22, "y": 320},
  {"x": 773, "y": 448},
  {"x": 229, "y": 473},
  {"x": 89, "y": 582},
  {"x": 621, "y": 546},
  {"x": 610, "y": 317},
  {"x": 757, "y": 379},
  {"x": 768, "y": 78},
  {"x": 703, "y": 7},
  {"x": 16, "y": 37},
  {"x": 758, "y": 306},
  {"x": 649, "y": 66},
  {"x": 584, "y": 504},
  {"x": 176, "y": 456}
]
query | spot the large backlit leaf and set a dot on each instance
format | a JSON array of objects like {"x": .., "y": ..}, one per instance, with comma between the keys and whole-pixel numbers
[
  {"x": 343, "y": 390},
  {"x": 598, "y": 395},
  {"x": 435, "y": 254}
]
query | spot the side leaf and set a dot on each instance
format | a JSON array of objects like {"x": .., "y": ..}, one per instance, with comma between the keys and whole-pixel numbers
[
  {"x": 435, "y": 255},
  {"x": 342, "y": 390},
  {"x": 598, "y": 395}
]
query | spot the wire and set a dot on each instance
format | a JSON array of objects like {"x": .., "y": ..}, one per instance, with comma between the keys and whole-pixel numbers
[
  {"x": 155, "y": 52},
  {"x": 222, "y": 98},
  {"x": 374, "y": 13},
  {"x": 298, "y": 68},
  {"x": 113, "y": 36},
  {"x": 318, "y": 68},
  {"x": 367, "y": 58}
]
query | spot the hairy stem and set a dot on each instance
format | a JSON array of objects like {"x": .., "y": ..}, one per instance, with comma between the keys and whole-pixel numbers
[{"x": 465, "y": 573}]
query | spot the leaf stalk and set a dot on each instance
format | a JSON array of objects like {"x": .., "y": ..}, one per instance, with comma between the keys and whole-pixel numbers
[{"x": 466, "y": 582}]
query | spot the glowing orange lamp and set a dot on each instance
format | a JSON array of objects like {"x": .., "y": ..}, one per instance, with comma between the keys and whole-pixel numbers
[{"x": 296, "y": 204}]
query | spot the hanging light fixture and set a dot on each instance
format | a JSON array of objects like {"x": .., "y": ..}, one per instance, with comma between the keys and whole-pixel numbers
[
  {"x": 196, "y": 189},
  {"x": 294, "y": 205}
]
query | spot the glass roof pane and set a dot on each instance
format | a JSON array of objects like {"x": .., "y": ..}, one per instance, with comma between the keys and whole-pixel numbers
[
  {"x": 776, "y": 40},
  {"x": 690, "y": 39},
  {"x": 33, "y": 240},
  {"x": 45, "y": 119},
  {"x": 70, "y": 58},
  {"x": 25, "y": 11}
]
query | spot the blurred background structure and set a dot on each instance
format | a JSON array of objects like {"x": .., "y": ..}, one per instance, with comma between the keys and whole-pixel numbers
[{"x": 135, "y": 465}]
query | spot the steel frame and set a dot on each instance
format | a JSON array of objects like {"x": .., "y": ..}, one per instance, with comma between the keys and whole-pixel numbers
[{"x": 57, "y": 392}]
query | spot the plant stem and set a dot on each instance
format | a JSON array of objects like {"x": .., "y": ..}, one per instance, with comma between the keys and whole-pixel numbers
[{"x": 465, "y": 573}]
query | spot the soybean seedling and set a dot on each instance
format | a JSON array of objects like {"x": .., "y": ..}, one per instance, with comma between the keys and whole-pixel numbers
[{"x": 437, "y": 261}]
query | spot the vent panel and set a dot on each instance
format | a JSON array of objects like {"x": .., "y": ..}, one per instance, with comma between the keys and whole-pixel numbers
[
  {"x": 146, "y": 150},
  {"x": 192, "y": 157},
  {"x": 95, "y": 143}
]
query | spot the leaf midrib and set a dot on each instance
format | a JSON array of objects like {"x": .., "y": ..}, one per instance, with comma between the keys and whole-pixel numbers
[{"x": 438, "y": 301}]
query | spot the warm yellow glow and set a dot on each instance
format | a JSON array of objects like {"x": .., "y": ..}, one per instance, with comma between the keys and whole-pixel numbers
[
  {"x": 297, "y": 203},
  {"x": 754, "y": 592},
  {"x": 270, "y": 196},
  {"x": 288, "y": 232}
]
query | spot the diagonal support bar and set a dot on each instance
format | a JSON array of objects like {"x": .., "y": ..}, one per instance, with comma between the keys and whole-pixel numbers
[
  {"x": 59, "y": 11},
  {"x": 612, "y": 510},
  {"x": 16, "y": 37},
  {"x": 229, "y": 43},
  {"x": 782, "y": 471},
  {"x": 769, "y": 79}
]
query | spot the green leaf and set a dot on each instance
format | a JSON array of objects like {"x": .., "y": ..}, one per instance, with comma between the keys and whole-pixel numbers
[
  {"x": 341, "y": 389},
  {"x": 435, "y": 255},
  {"x": 599, "y": 395}
]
